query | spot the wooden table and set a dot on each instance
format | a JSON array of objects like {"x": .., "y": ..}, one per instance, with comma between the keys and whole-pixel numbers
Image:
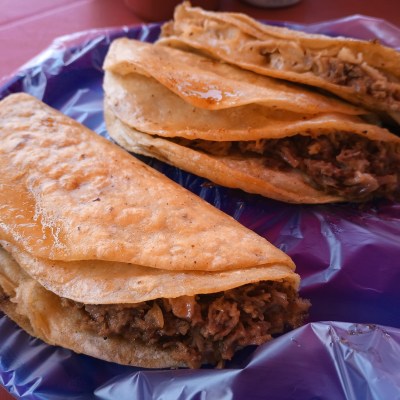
[{"x": 28, "y": 27}]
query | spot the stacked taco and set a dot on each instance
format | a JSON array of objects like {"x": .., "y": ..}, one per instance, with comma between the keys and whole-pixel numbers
[
  {"x": 101, "y": 254},
  {"x": 362, "y": 72},
  {"x": 243, "y": 129}
]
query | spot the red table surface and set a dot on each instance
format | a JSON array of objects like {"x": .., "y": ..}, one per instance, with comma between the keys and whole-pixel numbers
[{"x": 28, "y": 27}]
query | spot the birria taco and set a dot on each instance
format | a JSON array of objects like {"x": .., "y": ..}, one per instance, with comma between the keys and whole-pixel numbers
[
  {"x": 363, "y": 72},
  {"x": 103, "y": 255},
  {"x": 243, "y": 130}
]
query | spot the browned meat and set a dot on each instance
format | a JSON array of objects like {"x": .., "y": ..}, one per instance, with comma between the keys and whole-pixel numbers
[
  {"x": 344, "y": 69},
  {"x": 364, "y": 79},
  {"x": 346, "y": 165},
  {"x": 342, "y": 164},
  {"x": 206, "y": 328}
]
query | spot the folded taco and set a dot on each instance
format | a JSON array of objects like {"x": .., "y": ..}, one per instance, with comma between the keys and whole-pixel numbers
[
  {"x": 105, "y": 256},
  {"x": 362, "y": 72},
  {"x": 243, "y": 130}
]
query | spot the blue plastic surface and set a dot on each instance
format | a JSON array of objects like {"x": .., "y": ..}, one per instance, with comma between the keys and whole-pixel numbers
[{"x": 347, "y": 255}]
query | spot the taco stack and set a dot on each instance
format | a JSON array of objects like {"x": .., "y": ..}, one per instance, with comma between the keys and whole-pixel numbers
[
  {"x": 244, "y": 130},
  {"x": 103, "y": 255}
]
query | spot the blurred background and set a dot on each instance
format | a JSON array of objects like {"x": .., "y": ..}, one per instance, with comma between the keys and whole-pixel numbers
[{"x": 28, "y": 27}]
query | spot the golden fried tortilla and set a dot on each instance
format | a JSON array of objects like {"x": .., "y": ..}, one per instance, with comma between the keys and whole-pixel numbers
[
  {"x": 80, "y": 202},
  {"x": 103, "y": 255},
  {"x": 212, "y": 85},
  {"x": 281, "y": 154},
  {"x": 362, "y": 72},
  {"x": 42, "y": 314},
  {"x": 248, "y": 174}
]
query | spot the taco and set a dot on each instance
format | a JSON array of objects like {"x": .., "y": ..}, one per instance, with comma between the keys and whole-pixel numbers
[
  {"x": 205, "y": 83},
  {"x": 104, "y": 255},
  {"x": 280, "y": 141},
  {"x": 365, "y": 73}
]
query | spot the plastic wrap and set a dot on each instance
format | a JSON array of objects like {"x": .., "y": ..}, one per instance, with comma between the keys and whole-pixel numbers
[{"x": 347, "y": 255}]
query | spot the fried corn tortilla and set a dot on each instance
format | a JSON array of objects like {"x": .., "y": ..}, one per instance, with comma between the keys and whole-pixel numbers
[
  {"x": 77, "y": 202},
  {"x": 103, "y": 255},
  {"x": 212, "y": 85},
  {"x": 248, "y": 174},
  {"x": 281, "y": 154},
  {"x": 362, "y": 72}
]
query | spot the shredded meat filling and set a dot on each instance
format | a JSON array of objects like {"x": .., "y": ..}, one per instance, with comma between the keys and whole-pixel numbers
[
  {"x": 344, "y": 69},
  {"x": 346, "y": 165},
  {"x": 207, "y": 328}
]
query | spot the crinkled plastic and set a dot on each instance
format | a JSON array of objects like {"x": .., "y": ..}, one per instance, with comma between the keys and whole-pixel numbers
[{"x": 347, "y": 255}]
